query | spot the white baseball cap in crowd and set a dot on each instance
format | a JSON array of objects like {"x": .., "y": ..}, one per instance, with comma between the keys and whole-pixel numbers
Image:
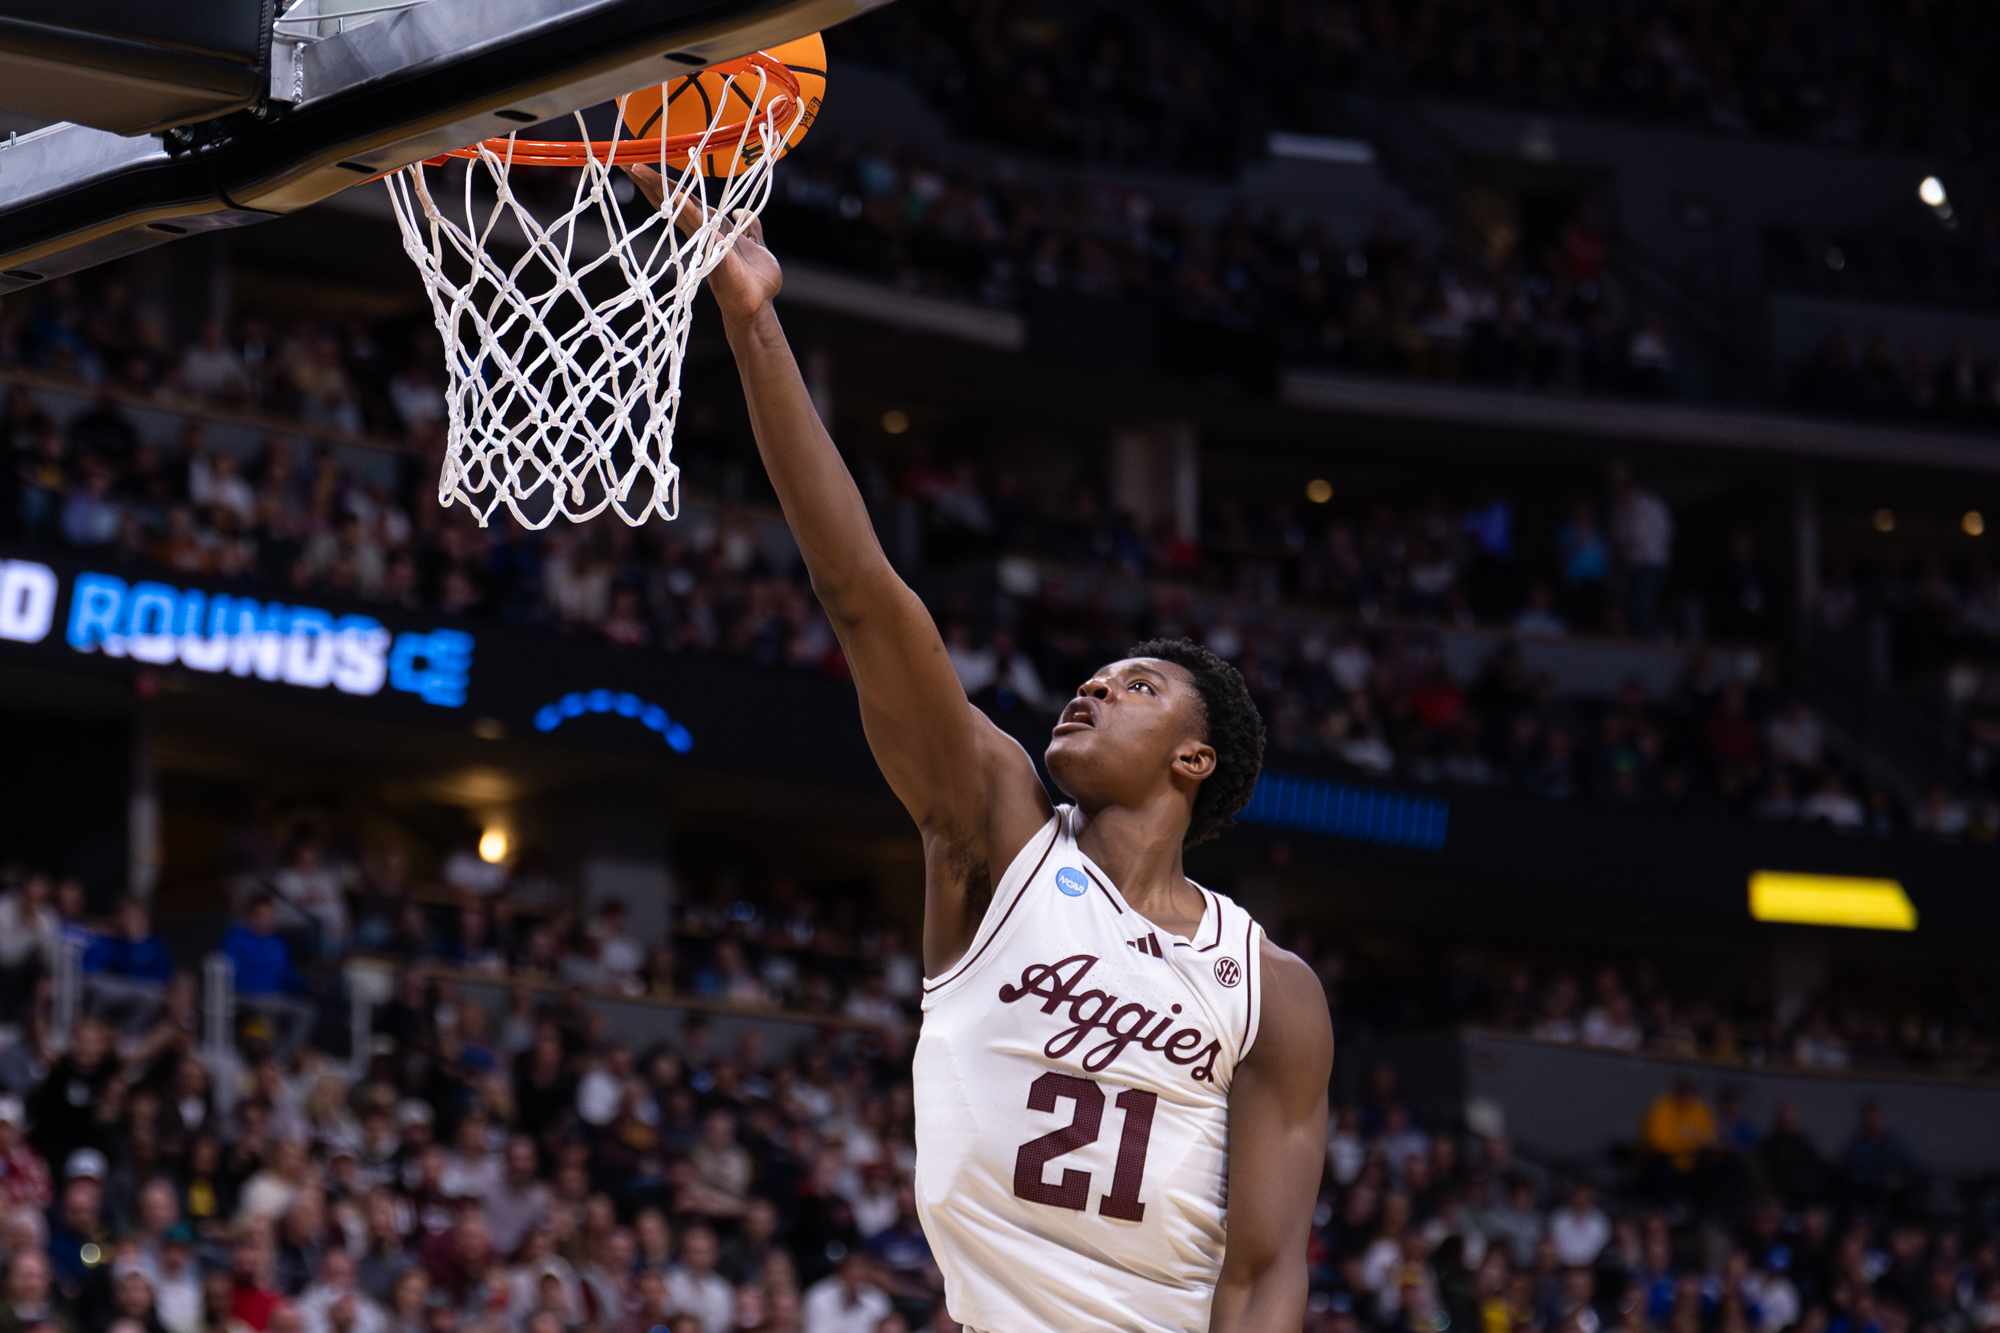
[
  {"x": 85, "y": 1162},
  {"x": 12, "y": 1112}
]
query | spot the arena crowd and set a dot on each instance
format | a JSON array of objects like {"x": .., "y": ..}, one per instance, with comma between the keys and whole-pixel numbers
[
  {"x": 1335, "y": 610},
  {"x": 515, "y": 1166},
  {"x": 1195, "y": 85},
  {"x": 1236, "y": 297}
]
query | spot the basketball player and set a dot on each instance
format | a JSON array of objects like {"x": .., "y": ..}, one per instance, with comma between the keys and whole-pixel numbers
[{"x": 1115, "y": 1064}]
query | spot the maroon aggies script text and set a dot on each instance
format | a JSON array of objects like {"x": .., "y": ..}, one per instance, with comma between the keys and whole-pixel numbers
[{"x": 1055, "y": 984}]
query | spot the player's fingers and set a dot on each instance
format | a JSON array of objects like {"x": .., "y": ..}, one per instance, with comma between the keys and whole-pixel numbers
[
  {"x": 648, "y": 181},
  {"x": 692, "y": 214}
]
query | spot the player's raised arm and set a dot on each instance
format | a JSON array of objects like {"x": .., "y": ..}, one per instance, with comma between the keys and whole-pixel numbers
[
  {"x": 971, "y": 788},
  {"x": 1277, "y": 1148}
]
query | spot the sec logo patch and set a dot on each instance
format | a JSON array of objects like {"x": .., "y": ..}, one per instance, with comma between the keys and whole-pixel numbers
[
  {"x": 1071, "y": 881},
  {"x": 1228, "y": 971}
]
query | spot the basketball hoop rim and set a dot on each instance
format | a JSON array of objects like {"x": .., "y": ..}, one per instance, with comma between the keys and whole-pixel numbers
[{"x": 631, "y": 152}]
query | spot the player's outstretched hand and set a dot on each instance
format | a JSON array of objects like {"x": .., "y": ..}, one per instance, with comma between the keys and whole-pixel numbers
[{"x": 748, "y": 278}]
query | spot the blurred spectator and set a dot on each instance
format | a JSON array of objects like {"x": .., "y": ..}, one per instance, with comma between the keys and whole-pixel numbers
[
  {"x": 619, "y": 955},
  {"x": 904, "y": 1264},
  {"x": 1586, "y": 567},
  {"x": 1538, "y": 619},
  {"x": 1517, "y": 1225},
  {"x": 1643, "y": 528},
  {"x": 215, "y": 481},
  {"x": 91, "y": 516},
  {"x": 126, "y": 971},
  {"x": 79, "y": 1100},
  {"x": 520, "y": 1202},
  {"x": 694, "y": 1287},
  {"x": 1611, "y": 1024},
  {"x": 78, "y": 1232},
  {"x": 28, "y": 932},
  {"x": 1831, "y": 804},
  {"x": 252, "y": 1302},
  {"x": 466, "y": 870},
  {"x": 266, "y": 982},
  {"x": 1788, "y": 1163},
  {"x": 175, "y": 1276},
  {"x": 1878, "y": 1165},
  {"x": 848, "y": 1301},
  {"x": 333, "y": 1303},
  {"x": 1579, "y": 1230},
  {"x": 1795, "y": 736},
  {"x": 306, "y": 895},
  {"x": 24, "y": 1175},
  {"x": 1678, "y": 1135},
  {"x": 214, "y": 369},
  {"x": 31, "y": 1302}
]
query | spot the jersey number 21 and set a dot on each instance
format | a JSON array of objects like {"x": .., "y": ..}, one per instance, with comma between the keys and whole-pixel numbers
[{"x": 1073, "y": 1190}]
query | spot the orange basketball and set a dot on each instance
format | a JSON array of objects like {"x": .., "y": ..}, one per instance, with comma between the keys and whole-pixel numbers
[{"x": 691, "y": 106}]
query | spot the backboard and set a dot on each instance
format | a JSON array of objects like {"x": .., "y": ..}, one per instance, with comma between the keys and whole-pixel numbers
[{"x": 348, "y": 99}]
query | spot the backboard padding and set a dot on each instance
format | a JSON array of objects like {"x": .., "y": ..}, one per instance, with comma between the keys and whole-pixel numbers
[{"x": 139, "y": 65}]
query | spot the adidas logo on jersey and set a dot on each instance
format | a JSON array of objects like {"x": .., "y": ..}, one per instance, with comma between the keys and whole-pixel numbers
[{"x": 1147, "y": 943}]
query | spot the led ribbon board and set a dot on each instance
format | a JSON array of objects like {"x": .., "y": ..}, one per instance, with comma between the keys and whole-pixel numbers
[
  {"x": 1831, "y": 900},
  {"x": 1341, "y": 811},
  {"x": 217, "y": 633},
  {"x": 621, "y": 703}
]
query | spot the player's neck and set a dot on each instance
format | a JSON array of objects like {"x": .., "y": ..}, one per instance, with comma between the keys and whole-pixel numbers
[{"x": 1141, "y": 850}]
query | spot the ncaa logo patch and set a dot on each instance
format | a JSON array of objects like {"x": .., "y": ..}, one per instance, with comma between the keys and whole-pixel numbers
[
  {"x": 1071, "y": 881},
  {"x": 1228, "y": 971}
]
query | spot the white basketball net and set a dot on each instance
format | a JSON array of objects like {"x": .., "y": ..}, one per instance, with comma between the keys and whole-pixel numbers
[{"x": 562, "y": 401}]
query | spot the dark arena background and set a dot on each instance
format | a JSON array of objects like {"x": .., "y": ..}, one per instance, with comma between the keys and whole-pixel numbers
[{"x": 1577, "y": 421}]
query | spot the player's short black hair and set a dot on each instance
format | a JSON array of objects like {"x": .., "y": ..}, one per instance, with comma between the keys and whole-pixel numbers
[{"x": 1230, "y": 724}]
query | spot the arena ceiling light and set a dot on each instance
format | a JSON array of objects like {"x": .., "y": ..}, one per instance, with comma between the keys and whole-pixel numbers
[
  {"x": 1931, "y": 192},
  {"x": 1830, "y": 900}
]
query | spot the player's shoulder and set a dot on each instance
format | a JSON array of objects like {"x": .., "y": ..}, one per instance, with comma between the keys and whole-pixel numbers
[
  {"x": 1288, "y": 975},
  {"x": 1017, "y": 805},
  {"x": 1296, "y": 1026}
]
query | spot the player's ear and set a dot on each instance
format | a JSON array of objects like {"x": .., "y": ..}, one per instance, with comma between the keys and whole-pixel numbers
[{"x": 1195, "y": 760}]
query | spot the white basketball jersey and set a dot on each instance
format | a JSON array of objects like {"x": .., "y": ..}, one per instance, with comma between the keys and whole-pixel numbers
[{"x": 1072, "y": 1102}]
